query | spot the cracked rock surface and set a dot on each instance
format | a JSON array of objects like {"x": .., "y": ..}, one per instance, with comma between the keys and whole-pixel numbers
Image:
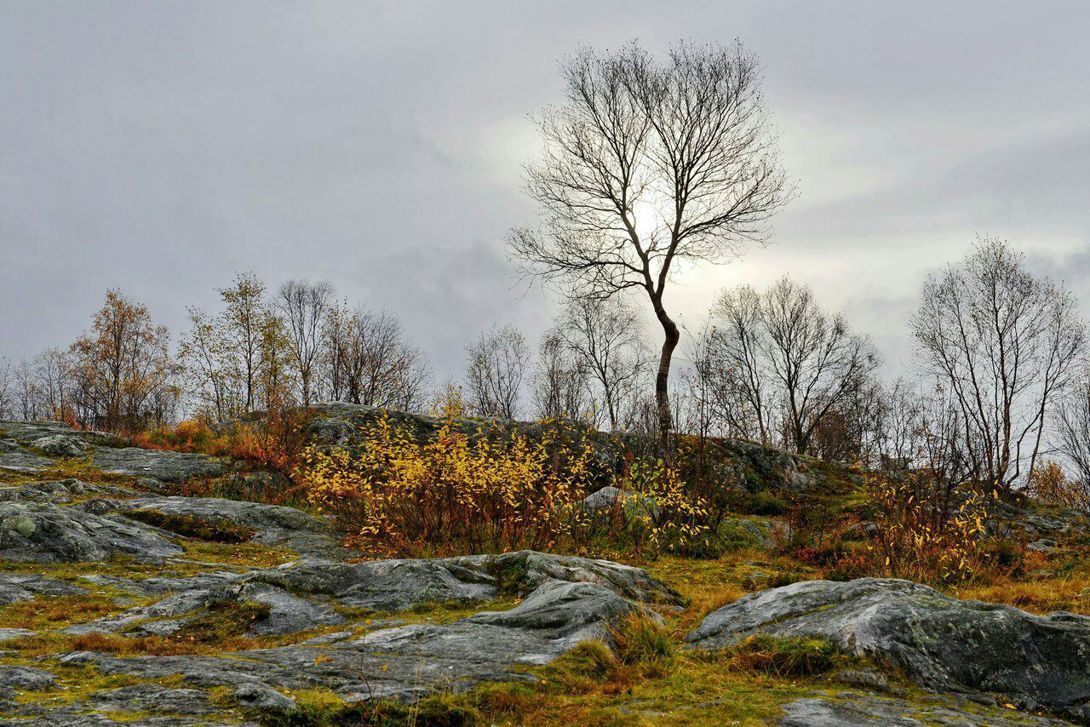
[{"x": 942, "y": 643}]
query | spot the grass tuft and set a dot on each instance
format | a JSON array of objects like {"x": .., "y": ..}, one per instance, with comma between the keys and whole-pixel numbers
[{"x": 786, "y": 656}]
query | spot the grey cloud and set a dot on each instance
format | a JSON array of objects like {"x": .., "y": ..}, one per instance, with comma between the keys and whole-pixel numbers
[{"x": 160, "y": 147}]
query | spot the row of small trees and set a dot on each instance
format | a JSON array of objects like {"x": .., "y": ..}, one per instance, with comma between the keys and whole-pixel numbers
[
  {"x": 258, "y": 352},
  {"x": 298, "y": 345},
  {"x": 1000, "y": 380}
]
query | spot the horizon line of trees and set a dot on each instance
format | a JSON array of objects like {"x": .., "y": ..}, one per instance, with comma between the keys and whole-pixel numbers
[{"x": 1003, "y": 380}]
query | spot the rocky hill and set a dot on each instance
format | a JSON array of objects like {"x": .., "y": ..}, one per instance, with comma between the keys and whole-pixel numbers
[{"x": 123, "y": 601}]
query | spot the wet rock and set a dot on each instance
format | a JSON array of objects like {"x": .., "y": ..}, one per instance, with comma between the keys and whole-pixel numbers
[
  {"x": 173, "y": 605},
  {"x": 27, "y": 586},
  {"x": 567, "y": 600},
  {"x": 564, "y": 613},
  {"x": 47, "y": 533},
  {"x": 161, "y": 465},
  {"x": 867, "y": 679},
  {"x": 385, "y": 585},
  {"x": 275, "y": 525},
  {"x": 27, "y": 679},
  {"x": 398, "y": 585},
  {"x": 153, "y": 698},
  {"x": 288, "y": 613},
  {"x": 863, "y": 710},
  {"x": 11, "y": 634},
  {"x": 61, "y": 445},
  {"x": 15, "y": 458},
  {"x": 29, "y": 432},
  {"x": 59, "y": 491},
  {"x": 259, "y": 696},
  {"x": 603, "y": 499},
  {"x": 522, "y": 571},
  {"x": 943, "y": 643}
]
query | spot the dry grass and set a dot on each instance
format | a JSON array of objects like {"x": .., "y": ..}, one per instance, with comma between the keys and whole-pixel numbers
[
  {"x": 53, "y": 612},
  {"x": 1063, "y": 586}
]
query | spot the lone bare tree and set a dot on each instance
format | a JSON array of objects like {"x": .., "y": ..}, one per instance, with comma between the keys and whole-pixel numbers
[
  {"x": 1005, "y": 343},
  {"x": 649, "y": 164}
]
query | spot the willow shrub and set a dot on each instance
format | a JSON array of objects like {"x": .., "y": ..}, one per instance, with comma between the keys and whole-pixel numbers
[{"x": 490, "y": 490}]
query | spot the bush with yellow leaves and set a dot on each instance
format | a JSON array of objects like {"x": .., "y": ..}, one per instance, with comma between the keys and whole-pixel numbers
[
  {"x": 1050, "y": 484},
  {"x": 926, "y": 533},
  {"x": 660, "y": 513},
  {"x": 493, "y": 489}
]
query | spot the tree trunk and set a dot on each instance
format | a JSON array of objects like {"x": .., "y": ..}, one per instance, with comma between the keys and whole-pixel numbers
[{"x": 662, "y": 379}]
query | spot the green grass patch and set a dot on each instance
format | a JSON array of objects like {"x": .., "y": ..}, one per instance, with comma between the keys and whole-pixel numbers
[
  {"x": 222, "y": 621},
  {"x": 194, "y": 527},
  {"x": 787, "y": 656}
]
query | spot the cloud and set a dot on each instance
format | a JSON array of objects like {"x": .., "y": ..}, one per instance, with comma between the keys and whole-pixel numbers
[{"x": 161, "y": 147}]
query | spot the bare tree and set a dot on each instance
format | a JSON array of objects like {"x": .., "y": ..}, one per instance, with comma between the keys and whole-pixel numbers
[
  {"x": 649, "y": 164},
  {"x": 737, "y": 364},
  {"x": 28, "y": 399},
  {"x": 560, "y": 381},
  {"x": 52, "y": 371},
  {"x": 1073, "y": 429},
  {"x": 817, "y": 360},
  {"x": 213, "y": 381},
  {"x": 371, "y": 362},
  {"x": 1005, "y": 343},
  {"x": 304, "y": 306},
  {"x": 7, "y": 389},
  {"x": 497, "y": 364},
  {"x": 604, "y": 334},
  {"x": 787, "y": 367}
]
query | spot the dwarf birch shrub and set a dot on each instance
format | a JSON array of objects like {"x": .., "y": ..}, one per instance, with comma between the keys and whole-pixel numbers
[
  {"x": 659, "y": 511},
  {"x": 493, "y": 489},
  {"x": 922, "y": 538}
]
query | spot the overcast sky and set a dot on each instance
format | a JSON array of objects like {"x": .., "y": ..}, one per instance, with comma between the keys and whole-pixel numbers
[{"x": 158, "y": 147}]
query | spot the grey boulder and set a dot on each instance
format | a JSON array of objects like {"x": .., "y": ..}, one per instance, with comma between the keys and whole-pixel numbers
[
  {"x": 867, "y": 710},
  {"x": 274, "y": 524},
  {"x": 47, "y": 533},
  {"x": 942, "y": 643},
  {"x": 161, "y": 465}
]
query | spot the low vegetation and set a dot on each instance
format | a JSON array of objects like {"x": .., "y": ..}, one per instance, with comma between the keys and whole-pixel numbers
[{"x": 195, "y": 527}]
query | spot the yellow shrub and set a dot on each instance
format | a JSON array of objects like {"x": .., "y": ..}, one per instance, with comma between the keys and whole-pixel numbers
[
  {"x": 660, "y": 513},
  {"x": 494, "y": 490},
  {"x": 919, "y": 536},
  {"x": 1049, "y": 483}
]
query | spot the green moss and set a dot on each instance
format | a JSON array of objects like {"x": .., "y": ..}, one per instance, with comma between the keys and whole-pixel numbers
[
  {"x": 194, "y": 527},
  {"x": 57, "y": 612},
  {"x": 787, "y": 656},
  {"x": 763, "y": 502},
  {"x": 510, "y": 575},
  {"x": 240, "y": 556},
  {"x": 222, "y": 620},
  {"x": 439, "y": 710}
]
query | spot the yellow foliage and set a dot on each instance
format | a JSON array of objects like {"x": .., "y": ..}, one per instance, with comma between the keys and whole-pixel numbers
[
  {"x": 918, "y": 536},
  {"x": 659, "y": 511},
  {"x": 489, "y": 490},
  {"x": 1050, "y": 484}
]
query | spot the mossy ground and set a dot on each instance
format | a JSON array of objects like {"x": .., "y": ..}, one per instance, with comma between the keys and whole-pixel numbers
[{"x": 651, "y": 679}]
